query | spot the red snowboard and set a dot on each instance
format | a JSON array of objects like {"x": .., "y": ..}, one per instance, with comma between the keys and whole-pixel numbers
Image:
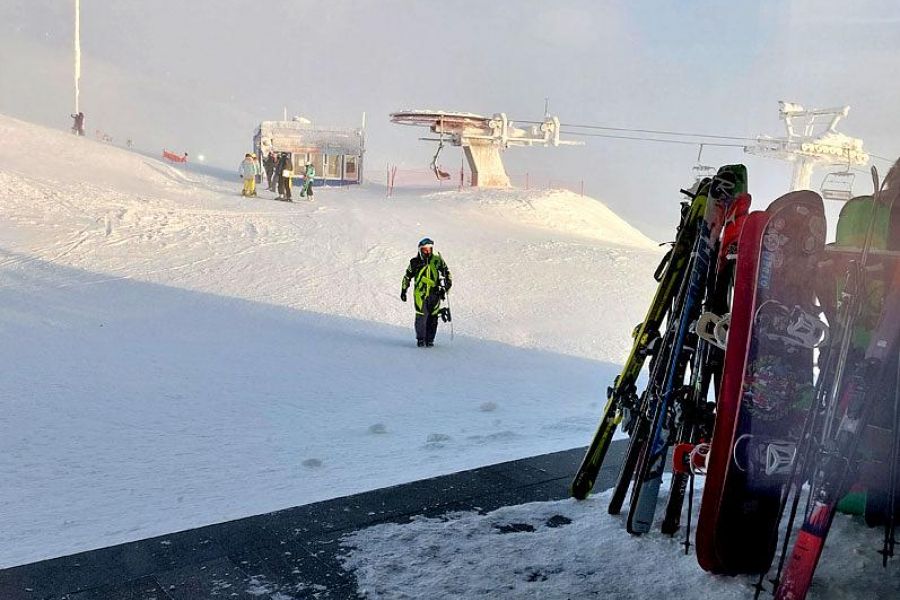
[{"x": 766, "y": 384}]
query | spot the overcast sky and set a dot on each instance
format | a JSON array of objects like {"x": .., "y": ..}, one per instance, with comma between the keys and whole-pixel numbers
[{"x": 198, "y": 76}]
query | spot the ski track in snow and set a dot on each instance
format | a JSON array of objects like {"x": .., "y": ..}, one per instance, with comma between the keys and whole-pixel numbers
[{"x": 179, "y": 356}]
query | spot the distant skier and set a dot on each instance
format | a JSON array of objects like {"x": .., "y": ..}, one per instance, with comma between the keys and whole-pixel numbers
[
  {"x": 269, "y": 163},
  {"x": 308, "y": 176},
  {"x": 432, "y": 282},
  {"x": 78, "y": 123},
  {"x": 248, "y": 170},
  {"x": 285, "y": 171}
]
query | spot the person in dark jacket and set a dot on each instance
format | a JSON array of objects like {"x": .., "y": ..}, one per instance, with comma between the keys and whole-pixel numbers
[
  {"x": 284, "y": 170},
  {"x": 432, "y": 281},
  {"x": 269, "y": 163}
]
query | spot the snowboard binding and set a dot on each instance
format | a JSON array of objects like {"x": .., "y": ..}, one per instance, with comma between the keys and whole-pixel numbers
[
  {"x": 713, "y": 329},
  {"x": 773, "y": 458},
  {"x": 793, "y": 326}
]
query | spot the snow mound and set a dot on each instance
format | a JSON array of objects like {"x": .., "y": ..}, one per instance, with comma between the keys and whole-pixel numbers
[{"x": 554, "y": 210}]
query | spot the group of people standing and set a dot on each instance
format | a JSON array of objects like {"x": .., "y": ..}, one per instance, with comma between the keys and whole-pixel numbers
[{"x": 279, "y": 171}]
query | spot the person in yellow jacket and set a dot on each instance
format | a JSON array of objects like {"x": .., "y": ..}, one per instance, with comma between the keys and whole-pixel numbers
[
  {"x": 248, "y": 171},
  {"x": 432, "y": 281}
]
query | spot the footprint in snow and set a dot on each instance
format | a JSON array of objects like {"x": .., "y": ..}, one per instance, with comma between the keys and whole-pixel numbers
[
  {"x": 378, "y": 428},
  {"x": 312, "y": 463},
  {"x": 488, "y": 407},
  {"x": 436, "y": 440}
]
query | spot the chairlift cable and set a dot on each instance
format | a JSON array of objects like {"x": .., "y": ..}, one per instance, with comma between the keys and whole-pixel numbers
[
  {"x": 651, "y": 139},
  {"x": 652, "y": 131}
]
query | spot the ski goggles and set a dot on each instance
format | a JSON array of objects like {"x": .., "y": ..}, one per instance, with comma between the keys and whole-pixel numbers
[{"x": 426, "y": 249}]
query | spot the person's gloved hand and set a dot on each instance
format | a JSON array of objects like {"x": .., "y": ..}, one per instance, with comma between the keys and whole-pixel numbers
[
  {"x": 442, "y": 293},
  {"x": 448, "y": 284},
  {"x": 403, "y": 295}
]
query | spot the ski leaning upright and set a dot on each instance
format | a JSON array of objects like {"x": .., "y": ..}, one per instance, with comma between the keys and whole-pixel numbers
[
  {"x": 694, "y": 417},
  {"x": 637, "y": 425},
  {"x": 651, "y": 462},
  {"x": 622, "y": 395}
]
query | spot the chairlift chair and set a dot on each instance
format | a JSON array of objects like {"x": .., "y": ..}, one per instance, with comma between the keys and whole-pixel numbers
[
  {"x": 439, "y": 172},
  {"x": 700, "y": 173},
  {"x": 838, "y": 186}
]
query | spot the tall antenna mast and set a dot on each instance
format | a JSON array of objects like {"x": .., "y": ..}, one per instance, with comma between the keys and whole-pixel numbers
[{"x": 77, "y": 50}]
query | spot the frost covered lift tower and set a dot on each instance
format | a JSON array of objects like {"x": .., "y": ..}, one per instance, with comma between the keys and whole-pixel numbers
[
  {"x": 482, "y": 138},
  {"x": 813, "y": 141}
]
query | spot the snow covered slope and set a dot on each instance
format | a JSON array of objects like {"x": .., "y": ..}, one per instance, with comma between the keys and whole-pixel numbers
[{"x": 177, "y": 355}]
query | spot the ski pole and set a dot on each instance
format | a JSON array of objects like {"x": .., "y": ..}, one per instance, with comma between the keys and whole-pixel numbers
[
  {"x": 450, "y": 314},
  {"x": 890, "y": 527}
]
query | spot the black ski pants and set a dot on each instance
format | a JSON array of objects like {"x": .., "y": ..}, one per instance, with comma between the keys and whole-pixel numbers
[
  {"x": 427, "y": 323},
  {"x": 284, "y": 187}
]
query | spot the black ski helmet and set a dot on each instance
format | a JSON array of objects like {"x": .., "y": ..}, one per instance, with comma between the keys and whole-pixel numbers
[{"x": 425, "y": 242}]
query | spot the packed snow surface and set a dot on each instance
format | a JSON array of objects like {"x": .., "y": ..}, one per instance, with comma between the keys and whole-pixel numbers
[
  {"x": 568, "y": 549},
  {"x": 177, "y": 355}
]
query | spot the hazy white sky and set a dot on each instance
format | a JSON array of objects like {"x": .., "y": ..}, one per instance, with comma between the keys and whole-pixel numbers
[{"x": 197, "y": 76}]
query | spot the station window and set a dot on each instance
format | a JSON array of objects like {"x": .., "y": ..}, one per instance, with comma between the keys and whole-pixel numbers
[
  {"x": 333, "y": 166},
  {"x": 350, "y": 168}
]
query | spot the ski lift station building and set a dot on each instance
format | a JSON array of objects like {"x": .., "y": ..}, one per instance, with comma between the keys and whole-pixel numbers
[{"x": 336, "y": 153}]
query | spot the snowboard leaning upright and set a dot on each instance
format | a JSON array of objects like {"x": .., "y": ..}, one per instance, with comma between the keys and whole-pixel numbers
[{"x": 767, "y": 384}]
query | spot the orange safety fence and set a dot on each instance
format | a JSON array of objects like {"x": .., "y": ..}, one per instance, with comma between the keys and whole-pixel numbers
[
  {"x": 425, "y": 179},
  {"x": 175, "y": 157},
  {"x": 420, "y": 179},
  {"x": 536, "y": 180}
]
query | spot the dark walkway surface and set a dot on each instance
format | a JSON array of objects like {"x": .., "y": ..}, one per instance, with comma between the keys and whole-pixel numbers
[{"x": 291, "y": 554}]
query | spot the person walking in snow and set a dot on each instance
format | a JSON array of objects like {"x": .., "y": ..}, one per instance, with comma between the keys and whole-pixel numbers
[
  {"x": 248, "y": 171},
  {"x": 269, "y": 164},
  {"x": 284, "y": 169},
  {"x": 308, "y": 176},
  {"x": 432, "y": 281}
]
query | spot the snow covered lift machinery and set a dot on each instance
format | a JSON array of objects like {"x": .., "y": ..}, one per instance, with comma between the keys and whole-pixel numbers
[
  {"x": 482, "y": 138},
  {"x": 812, "y": 141}
]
